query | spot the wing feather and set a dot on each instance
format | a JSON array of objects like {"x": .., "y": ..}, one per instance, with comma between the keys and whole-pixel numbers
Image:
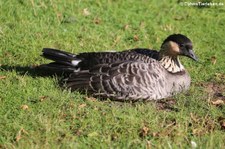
[{"x": 124, "y": 80}]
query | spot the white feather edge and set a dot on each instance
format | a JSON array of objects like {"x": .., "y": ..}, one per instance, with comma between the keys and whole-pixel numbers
[{"x": 75, "y": 62}]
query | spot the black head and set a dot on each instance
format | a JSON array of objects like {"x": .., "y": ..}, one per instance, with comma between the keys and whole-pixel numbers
[{"x": 180, "y": 44}]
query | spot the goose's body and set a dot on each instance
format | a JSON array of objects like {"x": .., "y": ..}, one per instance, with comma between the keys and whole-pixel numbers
[{"x": 129, "y": 75}]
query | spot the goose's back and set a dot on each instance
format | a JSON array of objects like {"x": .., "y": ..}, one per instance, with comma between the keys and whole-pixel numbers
[{"x": 88, "y": 60}]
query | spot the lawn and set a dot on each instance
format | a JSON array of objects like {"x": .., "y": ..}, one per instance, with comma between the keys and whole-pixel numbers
[{"x": 36, "y": 113}]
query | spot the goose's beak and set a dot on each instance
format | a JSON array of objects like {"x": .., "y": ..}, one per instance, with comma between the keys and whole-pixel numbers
[{"x": 192, "y": 55}]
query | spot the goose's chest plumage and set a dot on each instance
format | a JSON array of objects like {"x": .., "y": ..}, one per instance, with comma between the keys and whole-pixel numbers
[{"x": 177, "y": 82}]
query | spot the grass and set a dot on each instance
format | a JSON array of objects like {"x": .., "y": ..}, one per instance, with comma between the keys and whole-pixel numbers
[{"x": 36, "y": 113}]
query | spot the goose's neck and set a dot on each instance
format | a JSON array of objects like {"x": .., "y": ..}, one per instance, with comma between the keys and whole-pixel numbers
[{"x": 171, "y": 63}]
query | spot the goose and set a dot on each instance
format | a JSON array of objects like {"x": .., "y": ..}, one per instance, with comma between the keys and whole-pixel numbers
[{"x": 130, "y": 75}]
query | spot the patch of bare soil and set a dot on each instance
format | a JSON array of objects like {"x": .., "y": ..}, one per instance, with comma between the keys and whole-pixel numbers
[
  {"x": 215, "y": 92},
  {"x": 166, "y": 104}
]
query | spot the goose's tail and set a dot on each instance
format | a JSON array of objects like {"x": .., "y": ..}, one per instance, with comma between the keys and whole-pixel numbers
[{"x": 64, "y": 62}]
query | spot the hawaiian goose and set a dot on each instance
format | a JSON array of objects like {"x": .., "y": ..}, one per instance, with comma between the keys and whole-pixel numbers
[{"x": 128, "y": 75}]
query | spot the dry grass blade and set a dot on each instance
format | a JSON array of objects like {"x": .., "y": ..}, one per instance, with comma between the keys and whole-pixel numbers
[
  {"x": 144, "y": 131},
  {"x": 24, "y": 107},
  {"x": 2, "y": 77},
  {"x": 86, "y": 12},
  {"x": 42, "y": 98},
  {"x": 213, "y": 60},
  {"x": 91, "y": 99},
  {"x": 20, "y": 133},
  {"x": 136, "y": 38},
  {"x": 218, "y": 102},
  {"x": 82, "y": 106}
]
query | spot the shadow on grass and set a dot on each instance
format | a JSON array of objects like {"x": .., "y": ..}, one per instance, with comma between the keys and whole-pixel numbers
[
  {"x": 33, "y": 71},
  {"x": 36, "y": 71}
]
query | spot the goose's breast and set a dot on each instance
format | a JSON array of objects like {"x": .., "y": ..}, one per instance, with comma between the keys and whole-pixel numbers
[{"x": 178, "y": 82}]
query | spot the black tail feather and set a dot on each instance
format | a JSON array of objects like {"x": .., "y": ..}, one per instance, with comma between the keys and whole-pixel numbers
[
  {"x": 57, "y": 55},
  {"x": 62, "y": 61}
]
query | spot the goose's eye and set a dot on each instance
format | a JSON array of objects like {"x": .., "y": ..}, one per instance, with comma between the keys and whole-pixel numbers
[{"x": 182, "y": 45}]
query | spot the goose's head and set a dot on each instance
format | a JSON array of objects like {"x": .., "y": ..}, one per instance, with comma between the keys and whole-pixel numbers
[
  {"x": 172, "y": 47},
  {"x": 178, "y": 44}
]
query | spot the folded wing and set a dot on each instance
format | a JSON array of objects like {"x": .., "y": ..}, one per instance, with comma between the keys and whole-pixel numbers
[{"x": 129, "y": 80}]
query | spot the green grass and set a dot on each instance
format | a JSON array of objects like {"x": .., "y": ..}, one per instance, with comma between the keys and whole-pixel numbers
[{"x": 57, "y": 118}]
